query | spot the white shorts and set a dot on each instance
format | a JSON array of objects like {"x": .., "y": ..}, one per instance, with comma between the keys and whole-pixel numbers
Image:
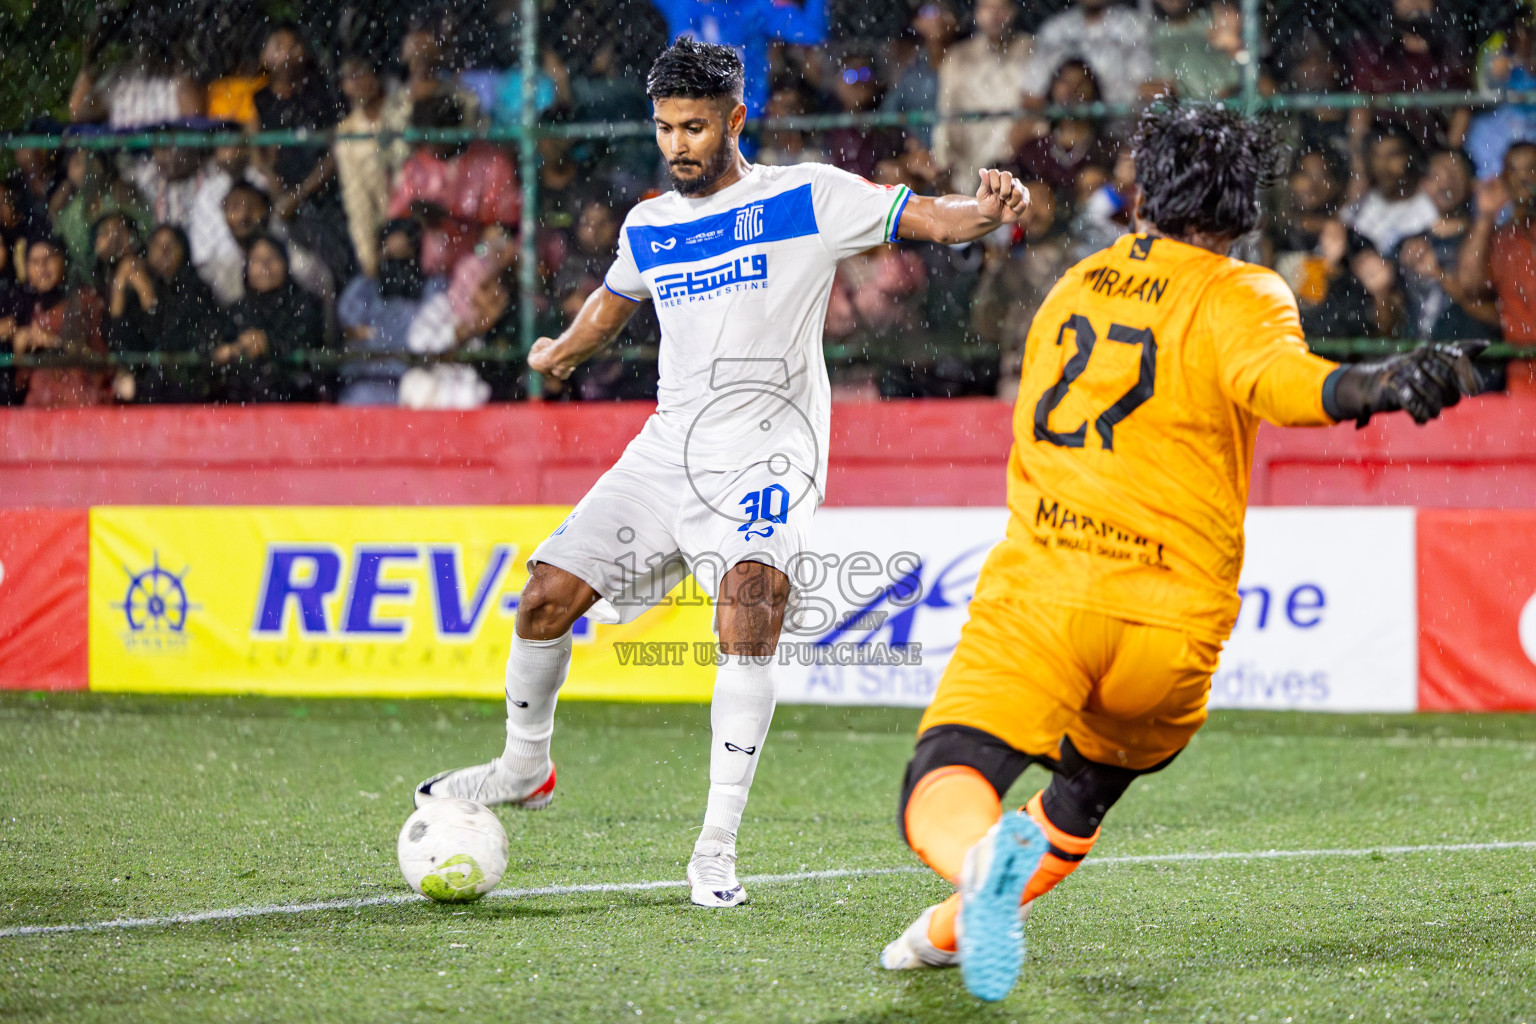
[{"x": 648, "y": 523}]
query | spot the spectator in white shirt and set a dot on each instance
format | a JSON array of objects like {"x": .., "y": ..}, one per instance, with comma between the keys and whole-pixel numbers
[
  {"x": 1395, "y": 207},
  {"x": 151, "y": 86},
  {"x": 169, "y": 183},
  {"x": 221, "y": 260},
  {"x": 983, "y": 73},
  {"x": 364, "y": 167},
  {"x": 1113, "y": 41},
  {"x": 441, "y": 330}
]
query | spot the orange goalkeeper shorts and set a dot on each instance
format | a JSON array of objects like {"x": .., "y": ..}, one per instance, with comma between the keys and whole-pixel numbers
[{"x": 1127, "y": 694}]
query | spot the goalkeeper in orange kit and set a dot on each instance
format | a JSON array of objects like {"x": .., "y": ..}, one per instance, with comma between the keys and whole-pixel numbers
[{"x": 1097, "y": 622}]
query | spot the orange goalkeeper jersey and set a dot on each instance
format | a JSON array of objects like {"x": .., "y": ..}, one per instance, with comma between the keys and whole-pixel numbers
[{"x": 1146, "y": 372}]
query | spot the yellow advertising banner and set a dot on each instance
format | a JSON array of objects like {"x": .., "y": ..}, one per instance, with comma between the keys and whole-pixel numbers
[{"x": 403, "y": 602}]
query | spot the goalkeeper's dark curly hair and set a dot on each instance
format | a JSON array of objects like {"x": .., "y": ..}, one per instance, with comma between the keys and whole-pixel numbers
[
  {"x": 689, "y": 69},
  {"x": 1201, "y": 167}
]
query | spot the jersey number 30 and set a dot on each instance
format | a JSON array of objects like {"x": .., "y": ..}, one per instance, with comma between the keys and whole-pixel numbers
[{"x": 1105, "y": 423}]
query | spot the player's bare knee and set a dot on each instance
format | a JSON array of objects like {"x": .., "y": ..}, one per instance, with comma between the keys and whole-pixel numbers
[
  {"x": 551, "y": 602},
  {"x": 756, "y": 585},
  {"x": 750, "y": 610}
]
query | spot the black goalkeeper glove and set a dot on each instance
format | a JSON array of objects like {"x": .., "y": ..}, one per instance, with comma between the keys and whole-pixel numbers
[{"x": 1421, "y": 383}]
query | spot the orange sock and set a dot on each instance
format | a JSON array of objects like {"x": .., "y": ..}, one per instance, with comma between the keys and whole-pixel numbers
[
  {"x": 949, "y": 810},
  {"x": 941, "y": 926},
  {"x": 1066, "y": 852}
]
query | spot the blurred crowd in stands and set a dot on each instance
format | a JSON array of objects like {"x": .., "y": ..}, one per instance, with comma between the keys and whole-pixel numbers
[{"x": 1402, "y": 223}]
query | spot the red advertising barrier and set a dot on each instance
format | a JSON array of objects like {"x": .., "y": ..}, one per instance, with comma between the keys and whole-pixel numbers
[
  {"x": 43, "y": 598},
  {"x": 1477, "y": 610},
  {"x": 934, "y": 452},
  {"x": 1481, "y": 454}
]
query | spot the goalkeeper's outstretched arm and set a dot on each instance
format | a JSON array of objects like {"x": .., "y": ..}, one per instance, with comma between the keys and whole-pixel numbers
[
  {"x": 1264, "y": 364},
  {"x": 1422, "y": 383}
]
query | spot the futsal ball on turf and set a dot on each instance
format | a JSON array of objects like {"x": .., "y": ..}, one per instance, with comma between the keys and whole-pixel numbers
[{"x": 453, "y": 851}]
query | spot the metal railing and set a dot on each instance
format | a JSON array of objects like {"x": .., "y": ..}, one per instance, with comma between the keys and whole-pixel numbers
[{"x": 612, "y": 130}]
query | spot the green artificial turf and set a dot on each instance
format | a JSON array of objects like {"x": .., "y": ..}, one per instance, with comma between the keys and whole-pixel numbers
[{"x": 117, "y": 807}]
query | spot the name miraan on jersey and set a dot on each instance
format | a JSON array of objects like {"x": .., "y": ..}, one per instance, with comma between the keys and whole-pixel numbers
[
  {"x": 1095, "y": 536},
  {"x": 1107, "y": 281}
]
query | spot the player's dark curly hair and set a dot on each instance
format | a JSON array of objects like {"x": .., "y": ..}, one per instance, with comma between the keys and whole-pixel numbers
[
  {"x": 697, "y": 71},
  {"x": 1201, "y": 167}
]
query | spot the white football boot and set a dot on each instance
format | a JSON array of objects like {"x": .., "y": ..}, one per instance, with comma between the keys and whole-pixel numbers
[
  {"x": 712, "y": 875},
  {"x": 913, "y": 949},
  {"x": 491, "y": 784}
]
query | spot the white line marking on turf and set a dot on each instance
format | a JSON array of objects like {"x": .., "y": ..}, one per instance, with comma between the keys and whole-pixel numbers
[
  {"x": 239, "y": 913},
  {"x": 264, "y": 910},
  {"x": 1192, "y": 858}
]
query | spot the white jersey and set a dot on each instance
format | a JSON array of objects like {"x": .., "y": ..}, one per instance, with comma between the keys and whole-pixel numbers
[{"x": 741, "y": 281}]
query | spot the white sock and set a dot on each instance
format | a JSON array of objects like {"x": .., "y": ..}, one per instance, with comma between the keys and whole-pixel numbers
[
  {"x": 535, "y": 672},
  {"x": 739, "y": 717}
]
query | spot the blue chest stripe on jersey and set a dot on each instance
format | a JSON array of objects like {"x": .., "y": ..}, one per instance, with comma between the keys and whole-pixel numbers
[{"x": 775, "y": 219}]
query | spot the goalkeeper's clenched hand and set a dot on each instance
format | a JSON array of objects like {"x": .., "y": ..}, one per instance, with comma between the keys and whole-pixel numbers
[{"x": 1421, "y": 383}]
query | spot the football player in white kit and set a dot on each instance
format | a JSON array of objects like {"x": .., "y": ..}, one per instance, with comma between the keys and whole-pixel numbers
[{"x": 723, "y": 479}]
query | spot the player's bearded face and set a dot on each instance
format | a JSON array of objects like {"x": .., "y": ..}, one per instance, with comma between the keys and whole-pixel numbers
[
  {"x": 691, "y": 175},
  {"x": 697, "y": 146},
  {"x": 696, "y": 172}
]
